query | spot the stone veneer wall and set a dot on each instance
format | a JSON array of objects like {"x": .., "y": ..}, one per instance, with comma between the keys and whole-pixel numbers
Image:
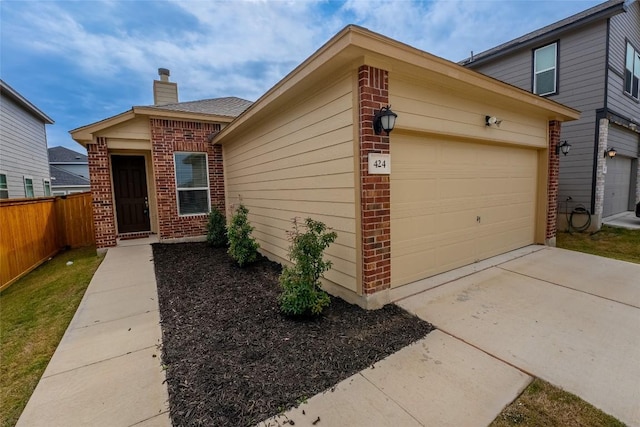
[
  {"x": 167, "y": 137},
  {"x": 375, "y": 204}
]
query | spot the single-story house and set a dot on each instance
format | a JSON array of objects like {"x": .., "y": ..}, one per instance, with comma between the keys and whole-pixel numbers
[
  {"x": 69, "y": 171},
  {"x": 469, "y": 171}
]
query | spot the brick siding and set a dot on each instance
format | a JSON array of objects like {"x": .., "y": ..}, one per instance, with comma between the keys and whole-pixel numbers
[
  {"x": 167, "y": 137},
  {"x": 102, "y": 200},
  {"x": 552, "y": 185},
  {"x": 375, "y": 204}
]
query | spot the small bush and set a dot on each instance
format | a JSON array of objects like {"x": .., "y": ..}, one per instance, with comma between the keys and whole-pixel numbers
[
  {"x": 242, "y": 247},
  {"x": 217, "y": 229},
  {"x": 301, "y": 292}
]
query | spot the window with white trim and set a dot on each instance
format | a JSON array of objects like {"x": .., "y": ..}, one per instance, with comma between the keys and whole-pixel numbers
[
  {"x": 46, "y": 184},
  {"x": 545, "y": 70},
  {"x": 4, "y": 187},
  {"x": 28, "y": 187},
  {"x": 192, "y": 182},
  {"x": 632, "y": 71}
]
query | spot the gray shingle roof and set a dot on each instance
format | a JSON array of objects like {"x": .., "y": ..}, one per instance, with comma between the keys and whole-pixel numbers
[
  {"x": 230, "y": 106},
  {"x": 601, "y": 11},
  {"x": 61, "y": 178},
  {"x": 65, "y": 155}
]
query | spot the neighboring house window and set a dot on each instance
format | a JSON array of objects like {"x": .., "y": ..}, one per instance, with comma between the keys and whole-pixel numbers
[
  {"x": 192, "y": 181},
  {"x": 28, "y": 187},
  {"x": 545, "y": 70},
  {"x": 632, "y": 71},
  {"x": 47, "y": 187},
  {"x": 4, "y": 188}
]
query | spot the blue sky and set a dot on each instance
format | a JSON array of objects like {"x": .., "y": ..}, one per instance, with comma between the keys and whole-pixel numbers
[{"x": 83, "y": 61}]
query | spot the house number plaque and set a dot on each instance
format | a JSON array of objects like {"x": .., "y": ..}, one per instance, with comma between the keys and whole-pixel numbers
[{"x": 379, "y": 164}]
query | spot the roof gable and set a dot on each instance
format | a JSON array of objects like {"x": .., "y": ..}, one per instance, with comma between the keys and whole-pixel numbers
[{"x": 10, "y": 92}]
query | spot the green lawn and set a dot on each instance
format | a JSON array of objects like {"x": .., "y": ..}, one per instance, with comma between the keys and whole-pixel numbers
[
  {"x": 542, "y": 404},
  {"x": 609, "y": 242},
  {"x": 34, "y": 314}
]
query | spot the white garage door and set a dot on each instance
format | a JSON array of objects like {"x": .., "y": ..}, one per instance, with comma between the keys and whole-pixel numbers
[
  {"x": 617, "y": 183},
  {"x": 454, "y": 203}
]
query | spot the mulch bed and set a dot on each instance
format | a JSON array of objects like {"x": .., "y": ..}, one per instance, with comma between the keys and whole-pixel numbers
[{"x": 233, "y": 360}]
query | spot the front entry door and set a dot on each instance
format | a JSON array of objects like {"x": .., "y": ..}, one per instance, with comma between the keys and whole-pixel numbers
[{"x": 130, "y": 188}]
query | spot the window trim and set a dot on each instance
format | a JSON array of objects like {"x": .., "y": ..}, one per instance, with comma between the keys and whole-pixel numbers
[
  {"x": 46, "y": 183},
  {"x": 178, "y": 189},
  {"x": 556, "y": 74},
  {"x": 33, "y": 191},
  {"x": 6, "y": 183},
  {"x": 624, "y": 73}
]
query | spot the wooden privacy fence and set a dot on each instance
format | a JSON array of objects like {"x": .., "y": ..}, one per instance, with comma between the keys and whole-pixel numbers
[{"x": 33, "y": 230}]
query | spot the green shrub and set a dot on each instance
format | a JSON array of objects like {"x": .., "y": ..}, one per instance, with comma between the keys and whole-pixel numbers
[
  {"x": 217, "y": 229},
  {"x": 242, "y": 247},
  {"x": 301, "y": 292}
]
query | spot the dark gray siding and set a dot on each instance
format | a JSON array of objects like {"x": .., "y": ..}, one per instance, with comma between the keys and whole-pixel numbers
[
  {"x": 581, "y": 85},
  {"x": 624, "y": 26},
  {"x": 624, "y": 141},
  {"x": 23, "y": 148}
]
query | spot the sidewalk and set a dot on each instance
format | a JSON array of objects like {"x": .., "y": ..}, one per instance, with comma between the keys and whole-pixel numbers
[{"x": 107, "y": 369}]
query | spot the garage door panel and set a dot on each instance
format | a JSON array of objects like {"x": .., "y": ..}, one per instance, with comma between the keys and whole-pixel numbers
[
  {"x": 439, "y": 188},
  {"x": 617, "y": 185}
]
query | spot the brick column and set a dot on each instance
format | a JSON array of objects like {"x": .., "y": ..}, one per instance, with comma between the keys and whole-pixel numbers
[
  {"x": 102, "y": 200},
  {"x": 167, "y": 137},
  {"x": 375, "y": 203},
  {"x": 552, "y": 184}
]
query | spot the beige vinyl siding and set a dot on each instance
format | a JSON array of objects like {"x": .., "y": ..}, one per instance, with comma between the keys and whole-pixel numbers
[
  {"x": 131, "y": 130},
  {"x": 23, "y": 149},
  {"x": 439, "y": 111},
  {"x": 581, "y": 85},
  {"x": 299, "y": 163}
]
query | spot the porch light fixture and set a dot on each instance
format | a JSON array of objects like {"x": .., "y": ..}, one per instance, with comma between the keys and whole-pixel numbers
[
  {"x": 384, "y": 120},
  {"x": 611, "y": 152},
  {"x": 492, "y": 121},
  {"x": 563, "y": 148}
]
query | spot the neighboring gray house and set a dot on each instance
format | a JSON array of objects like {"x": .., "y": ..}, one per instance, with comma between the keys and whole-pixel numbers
[
  {"x": 69, "y": 171},
  {"x": 591, "y": 62},
  {"x": 24, "y": 163}
]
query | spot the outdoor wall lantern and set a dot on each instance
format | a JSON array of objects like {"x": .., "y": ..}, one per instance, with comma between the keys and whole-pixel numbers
[
  {"x": 492, "y": 121},
  {"x": 611, "y": 152},
  {"x": 563, "y": 148},
  {"x": 384, "y": 120}
]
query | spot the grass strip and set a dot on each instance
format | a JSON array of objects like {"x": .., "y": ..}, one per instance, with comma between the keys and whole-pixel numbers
[{"x": 34, "y": 314}]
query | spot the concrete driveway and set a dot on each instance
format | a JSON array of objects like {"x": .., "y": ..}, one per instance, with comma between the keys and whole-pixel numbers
[{"x": 571, "y": 319}]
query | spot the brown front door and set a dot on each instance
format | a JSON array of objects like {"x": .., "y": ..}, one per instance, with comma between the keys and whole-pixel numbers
[{"x": 130, "y": 188}]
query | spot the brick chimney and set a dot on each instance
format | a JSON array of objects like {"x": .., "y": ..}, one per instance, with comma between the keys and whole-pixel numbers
[{"x": 164, "y": 91}]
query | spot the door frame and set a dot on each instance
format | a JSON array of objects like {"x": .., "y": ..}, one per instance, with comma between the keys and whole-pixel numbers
[{"x": 150, "y": 184}]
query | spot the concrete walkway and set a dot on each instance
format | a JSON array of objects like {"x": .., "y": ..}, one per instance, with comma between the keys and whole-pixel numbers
[
  {"x": 107, "y": 369},
  {"x": 570, "y": 318},
  {"x": 627, "y": 220}
]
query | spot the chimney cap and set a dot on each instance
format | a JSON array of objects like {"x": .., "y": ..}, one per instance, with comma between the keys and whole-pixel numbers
[{"x": 163, "y": 72}]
